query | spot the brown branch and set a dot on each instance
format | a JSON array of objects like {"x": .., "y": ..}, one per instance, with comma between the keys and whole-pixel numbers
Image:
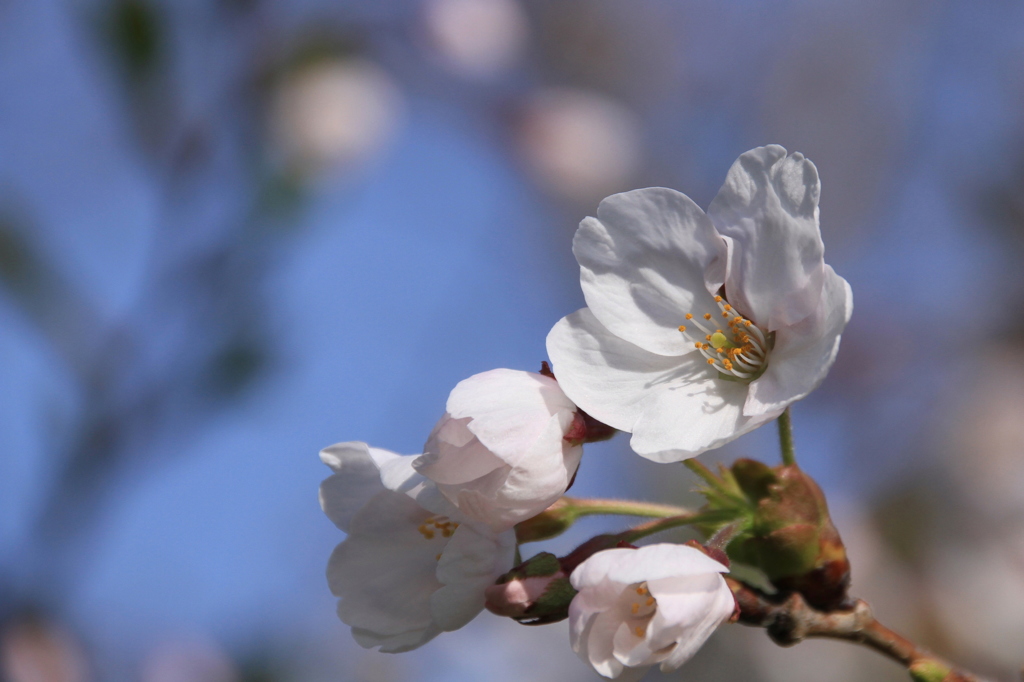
[{"x": 791, "y": 621}]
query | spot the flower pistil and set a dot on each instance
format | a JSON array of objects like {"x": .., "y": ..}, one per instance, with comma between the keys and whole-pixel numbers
[{"x": 739, "y": 352}]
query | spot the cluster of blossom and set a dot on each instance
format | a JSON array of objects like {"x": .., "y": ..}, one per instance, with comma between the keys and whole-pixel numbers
[{"x": 699, "y": 327}]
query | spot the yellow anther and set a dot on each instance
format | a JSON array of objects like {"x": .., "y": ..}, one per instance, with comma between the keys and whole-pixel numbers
[
  {"x": 707, "y": 316},
  {"x": 639, "y": 631},
  {"x": 711, "y": 361},
  {"x": 689, "y": 316},
  {"x": 747, "y": 323},
  {"x": 727, "y": 306},
  {"x": 641, "y": 590},
  {"x": 705, "y": 346},
  {"x": 682, "y": 327},
  {"x": 718, "y": 299},
  {"x": 447, "y": 532},
  {"x": 725, "y": 314},
  {"x": 649, "y": 602},
  {"x": 737, "y": 319},
  {"x": 719, "y": 350},
  {"x": 708, "y": 337},
  {"x": 635, "y": 608}
]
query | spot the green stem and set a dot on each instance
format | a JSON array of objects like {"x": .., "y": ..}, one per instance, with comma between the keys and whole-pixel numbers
[
  {"x": 659, "y": 525},
  {"x": 714, "y": 482},
  {"x": 786, "y": 439},
  {"x": 698, "y": 467},
  {"x": 591, "y": 507}
]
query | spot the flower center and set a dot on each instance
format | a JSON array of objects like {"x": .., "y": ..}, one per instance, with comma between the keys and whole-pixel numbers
[
  {"x": 739, "y": 351},
  {"x": 437, "y": 524},
  {"x": 639, "y": 608}
]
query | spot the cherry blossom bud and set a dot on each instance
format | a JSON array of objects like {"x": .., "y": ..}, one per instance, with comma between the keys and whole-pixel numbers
[
  {"x": 792, "y": 538},
  {"x": 534, "y": 593},
  {"x": 506, "y": 449}
]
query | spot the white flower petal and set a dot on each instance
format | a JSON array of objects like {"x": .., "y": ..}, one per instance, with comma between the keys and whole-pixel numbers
[
  {"x": 652, "y": 562},
  {"x": 691, "y": 415},
  {"x": 355, "y": 481},
  {"x": 606, "y": 376},
  {"x": 471, "y": 562},
  {"x": 509, "y": 409},
  {"x": 454, "y": 455},
  {"x": 600, "y": 649},
  {"x": 394, "y": 644},
  {"x": 690, "y": 609},
  {"x": 385, "y": 571},
  {"x": 769, "y": 207},
  {"x": 804, "y": 353},
  {"x": 397, "y": 472},
  {"x": 631, "y": 650},
  {"x": 642, "y": 266}
]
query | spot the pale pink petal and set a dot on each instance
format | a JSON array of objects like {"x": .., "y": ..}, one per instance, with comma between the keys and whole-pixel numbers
[
  {"x": 692, "y": 414},
  {"x": 355, "y": 481},
  {"x": 453, "y": 454},
  {"x": 606, "y": 376},
  {"x": 804, "y": 353},
  {"x": 769, "y": 207},
  {"x": 385, "y": 571},
  {"x": 394, "y": 644},
  {"x": 470, "y": 562},
  {"x": 631, "y": 650},
  {"x": 690, "y": 609},
  {"x": 642, "y": 266},
  {"x": 600, "y": 650},
  {"x": 509, "y": 408},
  {"x": 652, "y": 562}
]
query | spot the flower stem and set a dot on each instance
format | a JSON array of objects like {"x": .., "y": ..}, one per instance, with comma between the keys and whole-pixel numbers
[
  {"x": 699, "y": 468},
  {"x": 786, "y": 439},
  {"x": 714, "y": 482},
  {"x": 659, "y": 525},
  {"x": 593, "y": 506},
  {"x": 791, "y": 621}
]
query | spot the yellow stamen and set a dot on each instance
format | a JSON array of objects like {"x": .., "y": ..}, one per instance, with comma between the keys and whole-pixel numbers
[
  {"x": 635, "y": 608},
  {"x": 682, "y": 327},
  {"x": 649, "y": 602},
  {"x": 639, "y": 631},
  {"x": 689, "y": 316},
  {"x": 707, "y": 316}
]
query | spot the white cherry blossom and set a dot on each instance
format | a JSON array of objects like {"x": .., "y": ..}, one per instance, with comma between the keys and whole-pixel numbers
[
  {"x": 411, "y": 566},
  {"x": 642, "y": 607},
  {"x": 506, "y": 448},
  {"x": 701, "y": 327}
]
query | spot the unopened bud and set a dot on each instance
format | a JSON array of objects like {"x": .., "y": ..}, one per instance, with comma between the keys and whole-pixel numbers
[
  {"x": 928, "y": 670},
  {"x": 791, "y": 537},
  {"x": 534, "y": 593}
]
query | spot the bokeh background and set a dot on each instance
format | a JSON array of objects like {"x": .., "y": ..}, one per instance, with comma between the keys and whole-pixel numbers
[{"x": 233, "y": 232}]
